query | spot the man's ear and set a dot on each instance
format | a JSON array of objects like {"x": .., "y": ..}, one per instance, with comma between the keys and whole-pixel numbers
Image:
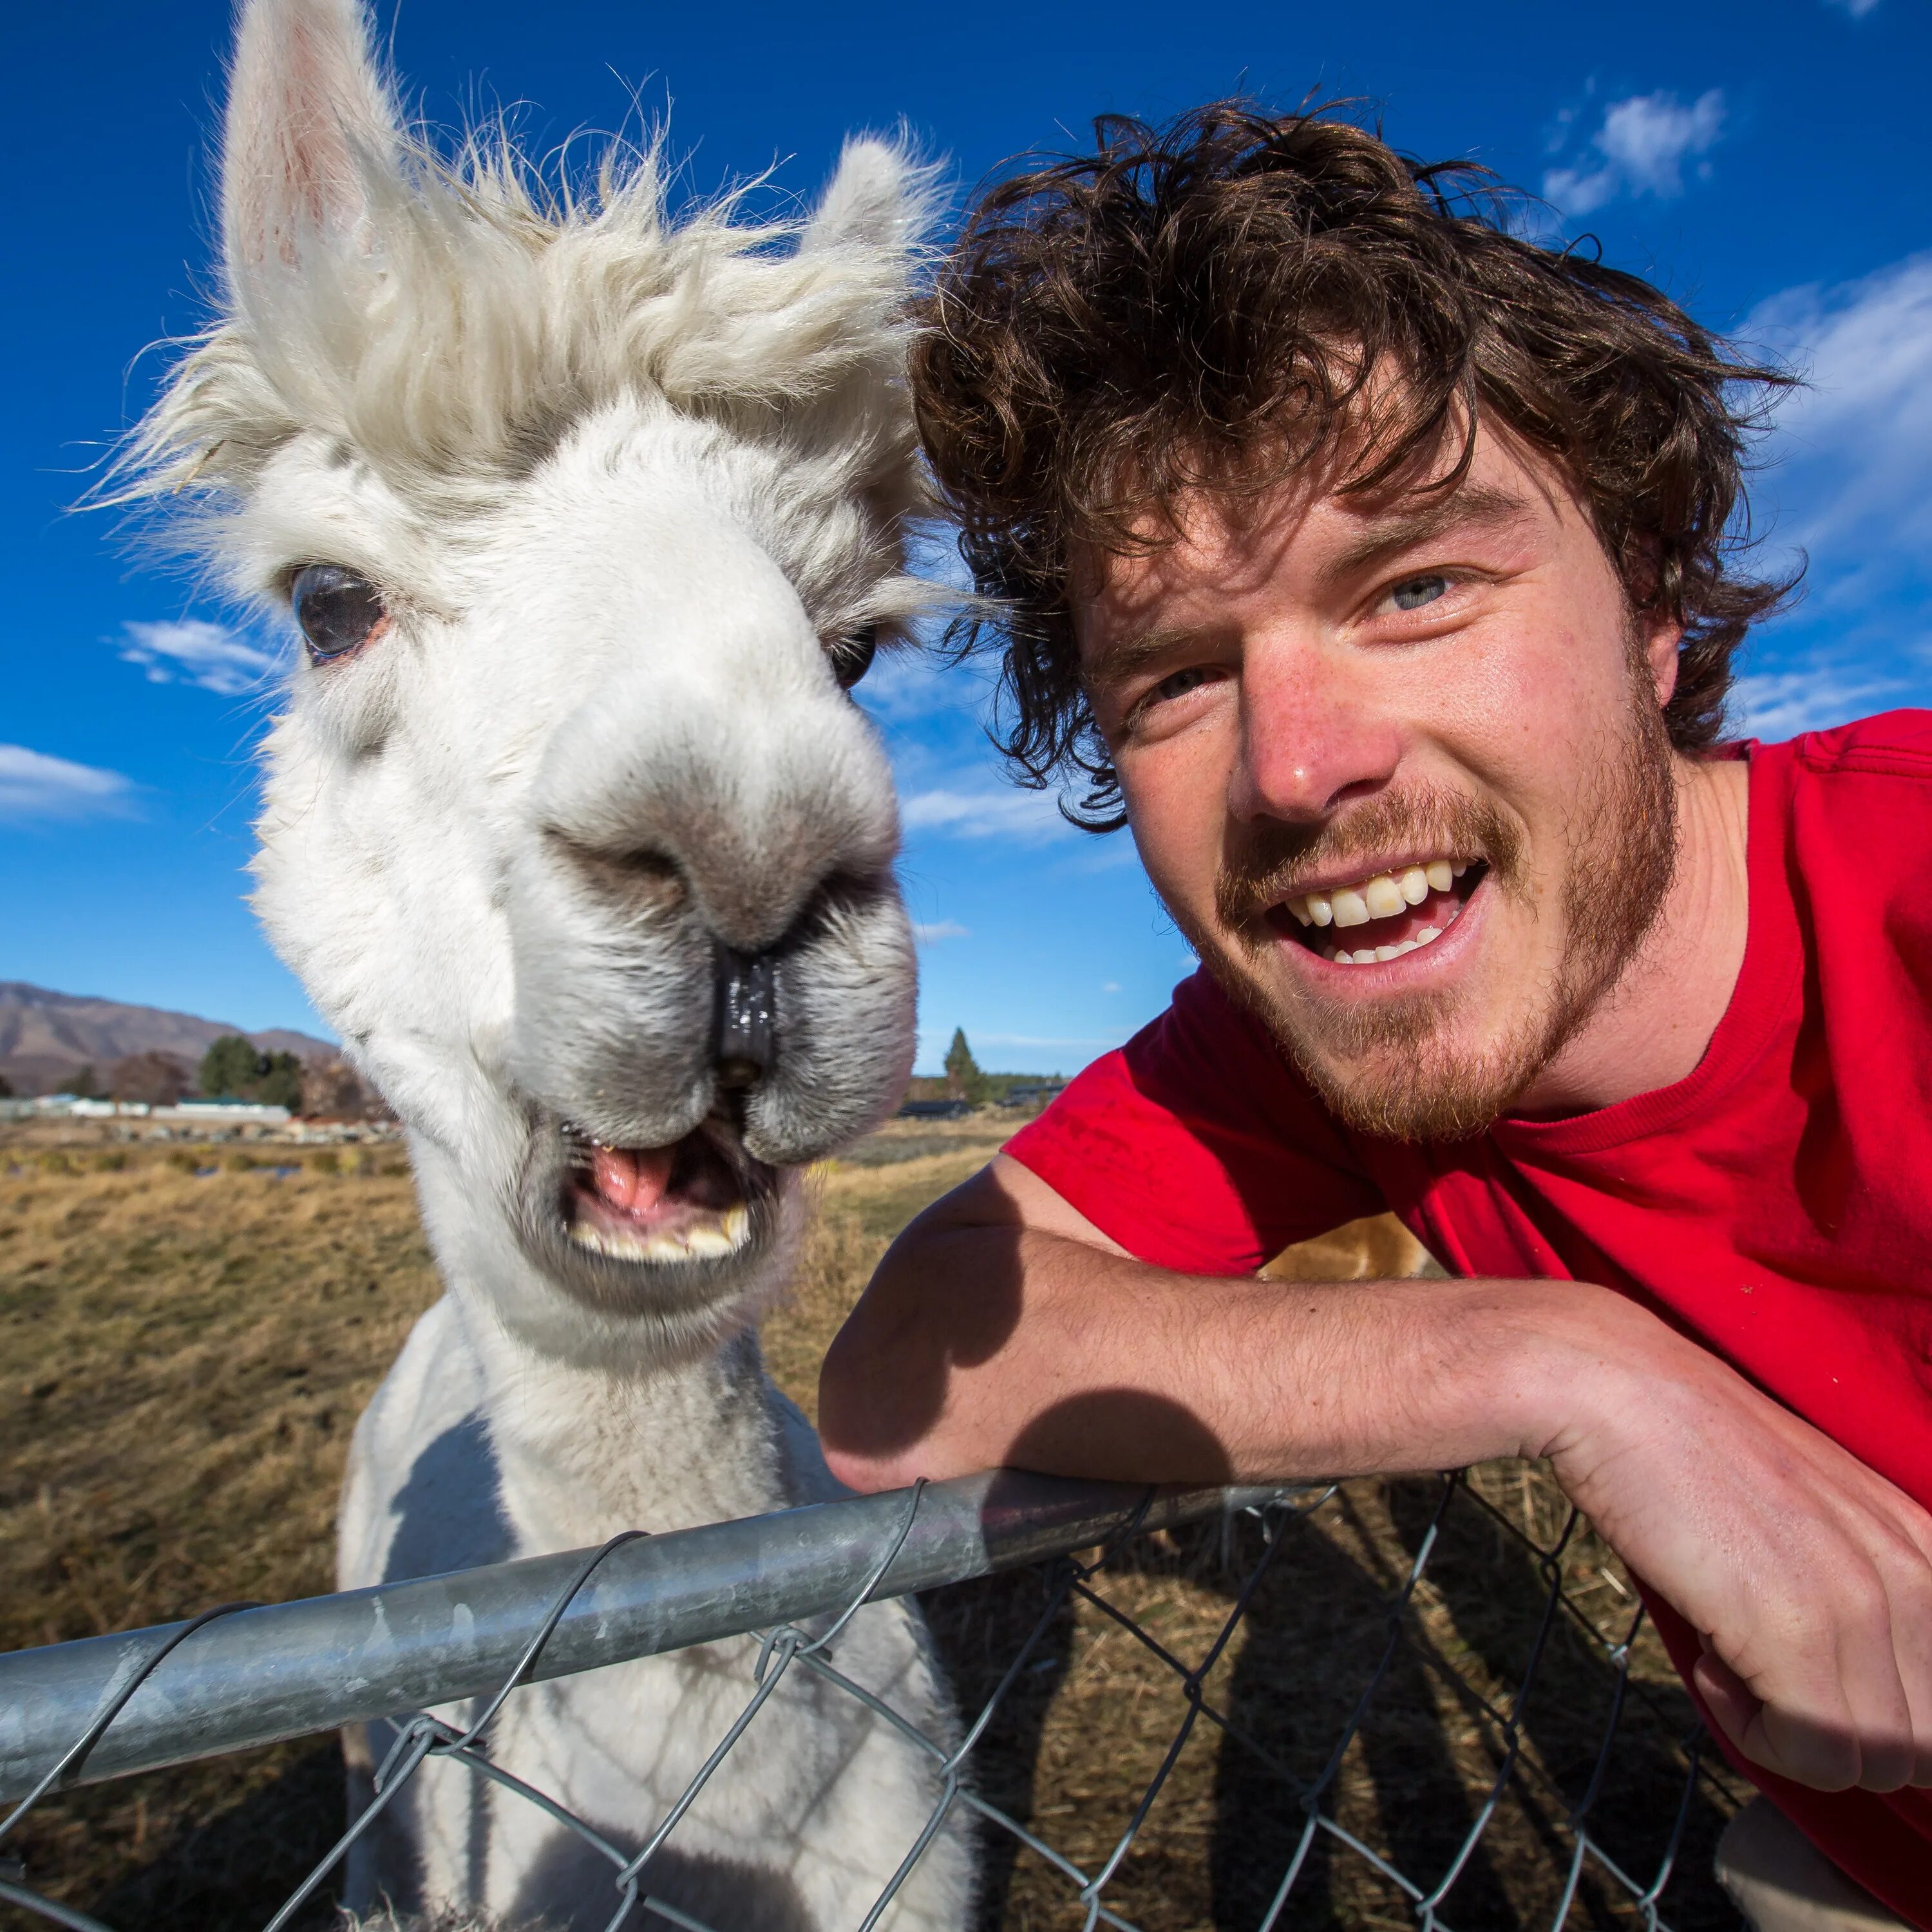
[
  {"x": 1661, "y": 637},
  {"x": 880, "y": 197},
  {"x": 312, "y": 139},
  {"x": 1658, "y": 632}
]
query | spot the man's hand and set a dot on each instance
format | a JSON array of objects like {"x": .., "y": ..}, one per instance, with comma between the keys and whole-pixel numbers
[
  {"x": 1808, "y": 1576},
  {"x": 1003, "y": 1328}
]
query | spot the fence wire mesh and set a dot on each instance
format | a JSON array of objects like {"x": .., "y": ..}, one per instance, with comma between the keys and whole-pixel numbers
[{"x": 1461, "y": 1737}]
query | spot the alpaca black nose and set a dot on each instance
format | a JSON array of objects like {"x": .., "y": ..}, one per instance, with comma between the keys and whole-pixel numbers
[{"x": 747, "y": 1005}]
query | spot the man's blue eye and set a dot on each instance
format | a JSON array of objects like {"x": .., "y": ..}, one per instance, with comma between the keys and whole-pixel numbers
[
  {"x": 1419, "y": 591},
  {"x": 1180, "y": 682}
]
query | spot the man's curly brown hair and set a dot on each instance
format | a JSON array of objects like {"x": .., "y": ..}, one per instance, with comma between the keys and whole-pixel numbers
[{"x": 1211, "y": 304}]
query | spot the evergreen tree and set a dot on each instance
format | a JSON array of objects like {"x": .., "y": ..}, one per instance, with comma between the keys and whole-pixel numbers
[
  {"x": 277, "y": 1081},
  {"x": 229, "y": 1067},
  {"x": 964, "y": 1080},
  {"x": 235, "y": 1068}
]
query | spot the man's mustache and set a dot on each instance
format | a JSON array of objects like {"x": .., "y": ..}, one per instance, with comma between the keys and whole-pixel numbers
[{"x": 1275, "y": 861}]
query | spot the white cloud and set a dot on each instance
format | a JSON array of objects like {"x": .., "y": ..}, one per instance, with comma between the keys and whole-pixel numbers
[
  {"x": 189, "y": 650},
  {"x": 1640, "y": 148},
  {"x": 1858, "y": 9},
  {"x": 985, "y": 813},
  {"x": 1776, "y": 705},
  {"x": 1848, "y": 483},
  {"x": 1853, "y": 448},
  {"x": 930, "y": 932},
  {"x": 33, "y": 784},
  {"x": 1112, "y": 986},
  {"x": 917, "y": 686}
]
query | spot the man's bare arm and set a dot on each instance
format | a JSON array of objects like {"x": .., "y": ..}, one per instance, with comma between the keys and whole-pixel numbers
[{"x": 1003, "y": 1328}]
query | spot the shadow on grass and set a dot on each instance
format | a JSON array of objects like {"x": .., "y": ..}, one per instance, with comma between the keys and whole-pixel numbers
[
  {"x": 1432, "y": 1743},
  {"x": 1412, "y": 1783},
  {"x": 230, "y": 1873}
]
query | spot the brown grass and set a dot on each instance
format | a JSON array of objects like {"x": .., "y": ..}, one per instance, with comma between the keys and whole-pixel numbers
[{"x": 181, "y": 1359}]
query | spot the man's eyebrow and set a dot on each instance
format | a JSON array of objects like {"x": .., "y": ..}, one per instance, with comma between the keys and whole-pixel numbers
[
  {"x": 1475, "y": 506},
  {"x": 1120, "y": 657}
]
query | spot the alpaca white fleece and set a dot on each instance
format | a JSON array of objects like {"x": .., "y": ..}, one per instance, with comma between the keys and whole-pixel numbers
[{"x": 622, "y": 485}]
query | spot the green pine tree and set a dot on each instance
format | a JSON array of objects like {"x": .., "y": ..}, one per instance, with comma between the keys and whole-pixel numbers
[
  {"x": 278, "y": 1081},
  {"x": 964, "y": 1080},
  {"x": 228, "y": 1067}
]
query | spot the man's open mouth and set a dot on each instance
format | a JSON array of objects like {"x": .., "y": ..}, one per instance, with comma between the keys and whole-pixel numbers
[
  {"x": 689, "y": 1201},
  {"x": 1381, "y": 916}
]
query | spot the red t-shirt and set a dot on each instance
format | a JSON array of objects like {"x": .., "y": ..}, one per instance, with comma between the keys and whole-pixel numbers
[{"x": 1776, "y": 1205}]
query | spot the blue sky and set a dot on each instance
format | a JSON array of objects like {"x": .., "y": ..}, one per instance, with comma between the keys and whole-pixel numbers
[{"x": 1763, "y": 162}]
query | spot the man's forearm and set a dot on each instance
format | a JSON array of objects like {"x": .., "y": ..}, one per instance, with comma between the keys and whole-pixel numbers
[
  {"x": 1003, "y": 1329},
  {"x": 977, "y": 1345}
]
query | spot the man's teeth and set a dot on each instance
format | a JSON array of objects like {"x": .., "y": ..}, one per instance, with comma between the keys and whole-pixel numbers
[
  {"x": 705, "y": 1241},
  {"x": 1382, "y": 897},
  {"x": 1370, "y": 955}
]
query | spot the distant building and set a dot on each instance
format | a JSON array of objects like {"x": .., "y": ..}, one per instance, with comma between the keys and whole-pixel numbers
[
  {"x": 1037, "y": 1095},
  {"x": 220, "y": 1114}
]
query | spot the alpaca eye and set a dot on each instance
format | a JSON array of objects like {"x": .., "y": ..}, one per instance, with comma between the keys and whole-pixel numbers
[
  {"x": 852, "y": 656},
  {"x": 338, "y": 609}
]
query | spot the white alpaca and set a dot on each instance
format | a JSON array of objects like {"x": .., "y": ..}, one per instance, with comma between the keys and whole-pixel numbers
[{"x": 572, "y": 831}]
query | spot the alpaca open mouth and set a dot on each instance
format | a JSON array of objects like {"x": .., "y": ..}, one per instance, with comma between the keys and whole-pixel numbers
[{"x": 688, "y": 1202}]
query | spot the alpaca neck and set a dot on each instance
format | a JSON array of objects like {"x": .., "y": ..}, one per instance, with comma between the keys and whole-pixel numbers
[{"x": 583, "y": 1454}]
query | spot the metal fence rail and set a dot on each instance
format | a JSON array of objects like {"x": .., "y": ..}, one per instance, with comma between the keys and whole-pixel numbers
[{"x": 243, "y": 1675}]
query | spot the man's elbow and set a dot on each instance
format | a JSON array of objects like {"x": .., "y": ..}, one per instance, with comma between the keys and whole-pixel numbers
[
  {"x": 946, "y": 1294},
  {"x": 871, "y": 1438},
  {"x": 866, "y": 1473},
  {"x": 844, "y": 1433}
]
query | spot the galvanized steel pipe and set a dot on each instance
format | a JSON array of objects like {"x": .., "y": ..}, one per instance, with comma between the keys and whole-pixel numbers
[{"x": 285, "y": 1670}]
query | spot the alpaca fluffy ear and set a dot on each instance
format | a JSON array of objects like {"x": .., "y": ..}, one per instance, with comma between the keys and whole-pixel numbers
[
  {"x": 879, "y": 198},
  {"x": 311, "y": 128}
]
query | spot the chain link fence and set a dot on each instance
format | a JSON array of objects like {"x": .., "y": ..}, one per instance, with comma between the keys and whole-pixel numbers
[{"x": 1453, "y": 1754}]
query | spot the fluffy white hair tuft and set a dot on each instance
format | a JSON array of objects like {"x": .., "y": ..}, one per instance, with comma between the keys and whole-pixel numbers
[{"x": 446, "y": 320}]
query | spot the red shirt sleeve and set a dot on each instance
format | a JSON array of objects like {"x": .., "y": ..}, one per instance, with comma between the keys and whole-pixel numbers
[{"x": 1196, "y": 1146}]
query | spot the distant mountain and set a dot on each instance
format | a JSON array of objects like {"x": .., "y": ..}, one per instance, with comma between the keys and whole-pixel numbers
[{"x": 46, "y": 1038}]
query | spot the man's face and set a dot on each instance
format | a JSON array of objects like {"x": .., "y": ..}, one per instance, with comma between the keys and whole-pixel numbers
[{"x": 1396, "y": 766}]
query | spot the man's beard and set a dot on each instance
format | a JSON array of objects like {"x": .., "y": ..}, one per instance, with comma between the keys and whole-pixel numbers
[{"x": 1387, "y": 1066}]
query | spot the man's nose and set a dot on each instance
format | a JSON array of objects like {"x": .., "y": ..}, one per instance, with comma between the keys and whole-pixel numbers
[{"x": 1316, "y": 733}]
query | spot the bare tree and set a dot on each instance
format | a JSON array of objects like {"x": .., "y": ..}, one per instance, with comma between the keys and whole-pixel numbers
[
  {"x": 331, "y": 1090},
  {"x": 159, "y": 1079}
]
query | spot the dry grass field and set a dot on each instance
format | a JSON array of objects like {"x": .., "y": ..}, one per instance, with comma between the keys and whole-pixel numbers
[{"x": 182, "y": 1354}]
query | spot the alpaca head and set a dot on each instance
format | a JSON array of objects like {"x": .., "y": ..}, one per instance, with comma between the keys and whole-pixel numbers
[{"x": 587, "y": 521}]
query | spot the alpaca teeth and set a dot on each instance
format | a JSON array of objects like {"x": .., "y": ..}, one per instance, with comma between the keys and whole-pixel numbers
[{"x": 711, "y": 1242}]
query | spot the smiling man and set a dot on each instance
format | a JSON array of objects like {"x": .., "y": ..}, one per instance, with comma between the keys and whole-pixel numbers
[{"x": 1370, "y": 563}]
